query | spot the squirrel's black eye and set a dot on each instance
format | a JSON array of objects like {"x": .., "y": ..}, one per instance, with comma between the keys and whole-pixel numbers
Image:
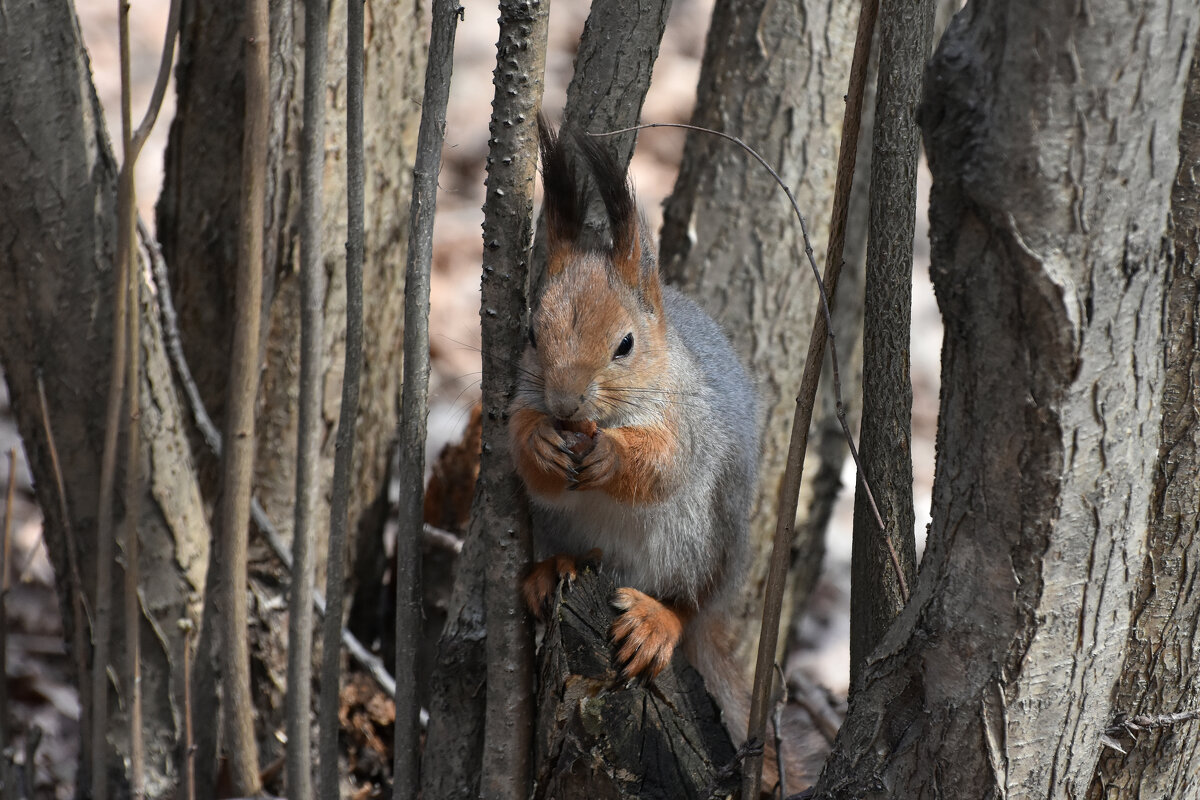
[
  {"x": 624, "y": 347},
  {"x": 532, "y": 338}
]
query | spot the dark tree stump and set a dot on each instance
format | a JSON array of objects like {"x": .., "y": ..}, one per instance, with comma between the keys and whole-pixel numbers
[{"x": 599, "y": 738}]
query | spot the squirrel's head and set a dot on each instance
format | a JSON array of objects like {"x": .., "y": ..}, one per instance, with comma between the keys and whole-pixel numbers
[{"x": 597, "y": 337}]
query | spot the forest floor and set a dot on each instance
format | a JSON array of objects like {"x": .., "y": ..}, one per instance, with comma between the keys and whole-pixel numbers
[{"x": 38, "y": 669}]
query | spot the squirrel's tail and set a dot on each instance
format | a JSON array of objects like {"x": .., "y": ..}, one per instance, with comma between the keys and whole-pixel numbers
[{"x": 709, "y": 647}]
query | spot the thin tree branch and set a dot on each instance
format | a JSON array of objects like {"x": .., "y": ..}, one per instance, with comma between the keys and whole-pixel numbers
[
  {"x": 331, "y": 662},
  {"x": 78, "y": 598},
  {"x": 298, "y": 705},
  {"x": 189, "y": 744},
  {"x": 905, "y": 33},
  {"x": 498, "y": 514},
  {"x": 230, "y": 553},
  {"x": 160, "y": 81},
  {"x": 415, "y": 393},
  {"x": 127, "y": 201}
]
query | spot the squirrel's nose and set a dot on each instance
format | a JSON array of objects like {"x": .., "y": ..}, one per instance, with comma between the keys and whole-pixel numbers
[{"x": 563, "y": 404}]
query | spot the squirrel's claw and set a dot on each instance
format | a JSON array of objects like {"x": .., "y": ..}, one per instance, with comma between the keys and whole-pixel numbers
[
  {"x": 598, "y": 468},
  {"x": 645, "y": 633},
  {"x": 538, "y": 586}
]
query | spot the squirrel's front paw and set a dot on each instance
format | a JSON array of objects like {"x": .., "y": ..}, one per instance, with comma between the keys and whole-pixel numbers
[
  {"x": 544, "y": 458},
  {"x": 645, "y": 633},
  {"x": 598, "y": 466}
]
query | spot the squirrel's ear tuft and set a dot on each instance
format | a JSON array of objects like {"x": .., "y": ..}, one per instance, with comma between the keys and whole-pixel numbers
[
  {"x": 612, "y": 183},
  {"x": 563, "y": 201}
]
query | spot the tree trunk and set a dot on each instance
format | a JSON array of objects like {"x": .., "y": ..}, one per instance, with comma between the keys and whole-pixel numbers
[
  {"x": 600, "y": 737},
  {"x": 197, "y": 223},
  {"x": 56, "y": 292},
  {"x": 774, "y": 74},
  {"x": 1161, "y": 655},
  {"x": 997, "y": 680},
  {"x": 885, "y": 443}
]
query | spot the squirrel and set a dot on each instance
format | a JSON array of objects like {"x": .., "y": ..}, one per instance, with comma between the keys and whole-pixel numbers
[{"x": 634, "y": 428}]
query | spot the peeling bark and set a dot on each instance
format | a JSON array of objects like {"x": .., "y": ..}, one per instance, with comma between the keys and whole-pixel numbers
[{"x": 997, "y": 679}]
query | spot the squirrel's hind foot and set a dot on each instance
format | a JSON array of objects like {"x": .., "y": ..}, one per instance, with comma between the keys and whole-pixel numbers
[
  {"x": 537, "y": 589},
  {"x": 645, "y": 633}
]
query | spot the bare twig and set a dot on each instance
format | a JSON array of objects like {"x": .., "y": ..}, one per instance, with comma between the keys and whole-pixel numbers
[
  {"x": 161, "y": 79},
  {"x": 78, "y": 599},
  {"x": 777, "y": 730},
  {"x": 1137, "y": 723},
  {"x": 127, "y": 200},
  {"x": 230, "y": 554},
  {"x": 212, "y": 438},
  {"x": 415, "y": 395},
  {"x": 331, "y": 662},
  {"x": 298, "y": 704},
  {"x": 189, "y": 757}
]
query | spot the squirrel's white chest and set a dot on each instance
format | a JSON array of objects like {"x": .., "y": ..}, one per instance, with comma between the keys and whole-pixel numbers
[{"x": 635, "y": 540}]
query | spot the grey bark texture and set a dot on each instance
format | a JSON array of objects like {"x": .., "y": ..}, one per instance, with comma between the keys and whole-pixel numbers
[
  {"x": 499, "y": 514},
  {"x": 602, "y": 737},
  {"x": 56, "y": 296},
  {"x": 312, "y": 430},
  {"x": 1052, "y": 142},
  {"x": 230, "y": 561},
  {"x": 885, "y": 435},
  {"x": 414, "y": 408},
  {"x": 1162, "y": 653},
  {"x": 774, "y": 74},
  {"x": 197, "y": 223}
]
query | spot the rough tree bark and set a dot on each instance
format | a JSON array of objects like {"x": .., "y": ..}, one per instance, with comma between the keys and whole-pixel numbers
[
  {"x": 1162, "y": 653},
  {"x": 885, "y": 444},
  {"x": 774, "y": 73},
  {"x": 58, "y": 209},
  {"x": 197, "y": 223},
  {"x": 997, "y": 680}
]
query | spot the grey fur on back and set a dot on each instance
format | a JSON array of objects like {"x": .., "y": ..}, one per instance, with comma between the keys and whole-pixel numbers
[{"x": 733, "y": 417}]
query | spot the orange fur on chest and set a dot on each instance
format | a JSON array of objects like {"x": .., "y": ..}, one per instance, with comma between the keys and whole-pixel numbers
[{"x": 646, "y": 457}]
